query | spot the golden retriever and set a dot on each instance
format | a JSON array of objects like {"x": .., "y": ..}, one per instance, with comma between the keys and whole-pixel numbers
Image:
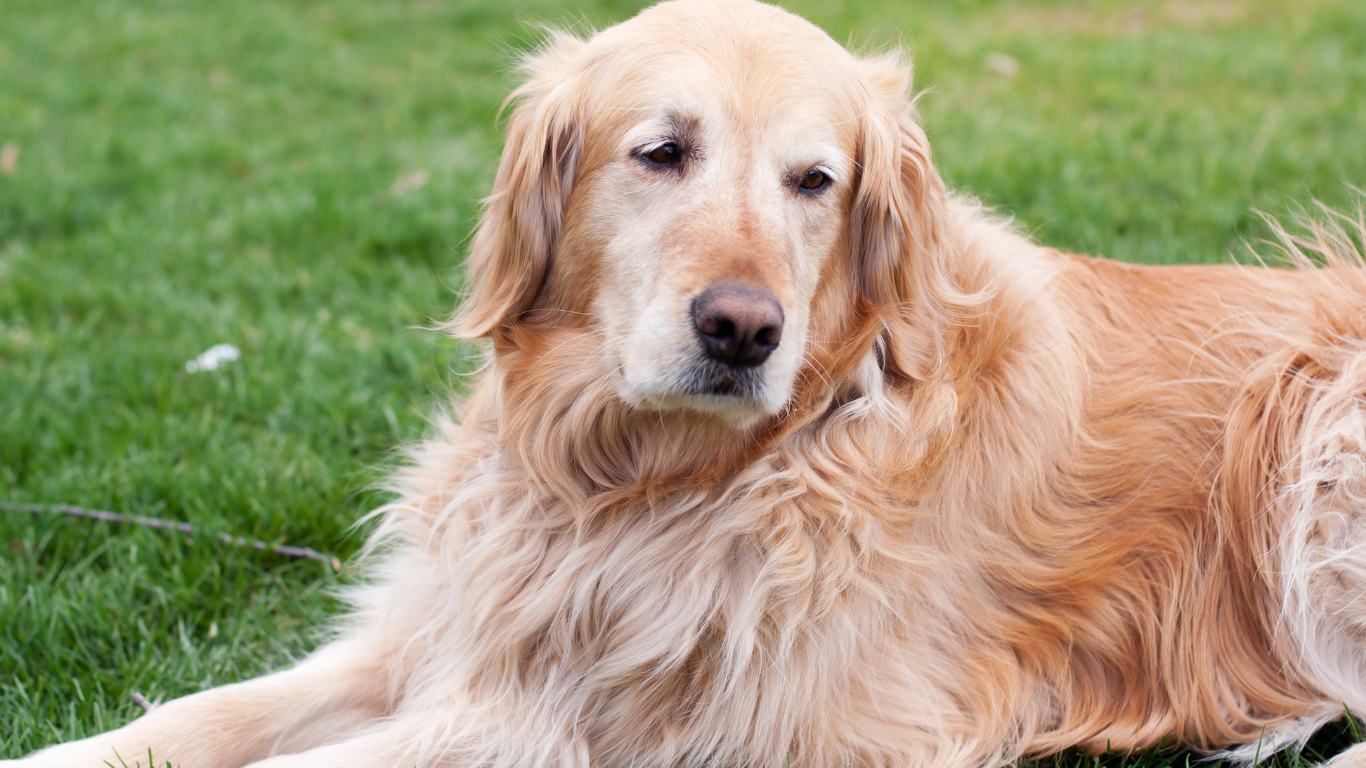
[{"x": 785, "y": 453}]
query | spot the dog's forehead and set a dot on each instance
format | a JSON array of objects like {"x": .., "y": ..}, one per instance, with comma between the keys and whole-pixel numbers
[
  {"x": 699, "y": 102},
  {"x": 750, "y": 63}
]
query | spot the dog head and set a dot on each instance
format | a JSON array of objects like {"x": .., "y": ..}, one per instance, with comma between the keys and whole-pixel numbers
[{"x": 732, "y": 204}]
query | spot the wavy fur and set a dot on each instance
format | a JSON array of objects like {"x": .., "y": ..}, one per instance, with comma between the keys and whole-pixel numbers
[{"x": 1010, "y": 500}]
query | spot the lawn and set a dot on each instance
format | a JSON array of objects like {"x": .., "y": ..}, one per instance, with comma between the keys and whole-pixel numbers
[{"x": 298, "y": 179}]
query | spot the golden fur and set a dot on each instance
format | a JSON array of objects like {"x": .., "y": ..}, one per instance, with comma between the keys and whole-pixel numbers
[{"x": 986, "y": 499}]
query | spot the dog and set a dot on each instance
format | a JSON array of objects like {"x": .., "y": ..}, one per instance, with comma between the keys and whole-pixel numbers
[{"x": 785, "y": 454}]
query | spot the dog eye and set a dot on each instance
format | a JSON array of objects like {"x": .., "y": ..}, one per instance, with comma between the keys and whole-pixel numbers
[
  {"x": 665, "y": 154},
  {"x": 813, "y": 180}
]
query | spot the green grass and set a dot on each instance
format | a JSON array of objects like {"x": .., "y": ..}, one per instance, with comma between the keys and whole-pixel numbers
[{"x": 190, "y": 173}]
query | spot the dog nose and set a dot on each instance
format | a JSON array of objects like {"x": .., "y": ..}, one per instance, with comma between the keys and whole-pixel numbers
[{"x": 739, "y": 326}]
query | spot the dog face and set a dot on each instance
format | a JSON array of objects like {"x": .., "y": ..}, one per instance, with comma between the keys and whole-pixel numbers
[
  {"x": 719, "y": 204},
  {"x": 705, "y": 204}
]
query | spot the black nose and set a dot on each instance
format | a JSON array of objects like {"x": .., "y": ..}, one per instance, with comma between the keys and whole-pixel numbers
[{"x": 739, "y": 326}]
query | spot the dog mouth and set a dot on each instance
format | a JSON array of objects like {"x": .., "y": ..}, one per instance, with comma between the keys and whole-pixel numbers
[
  {"x": 736, "y": 396},
  {"x": 707, "y": 379}
]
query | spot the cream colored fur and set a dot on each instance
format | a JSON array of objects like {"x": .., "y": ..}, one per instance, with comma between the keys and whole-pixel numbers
[{"x": 986, "y": 500}]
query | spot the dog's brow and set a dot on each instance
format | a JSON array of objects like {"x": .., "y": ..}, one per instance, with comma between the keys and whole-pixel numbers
[{"x": 670, "y": 125}]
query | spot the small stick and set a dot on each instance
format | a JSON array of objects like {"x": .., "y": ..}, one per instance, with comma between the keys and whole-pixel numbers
[
  {"x": 142, "y": 701},
  {"x": 298, "y": 553}
]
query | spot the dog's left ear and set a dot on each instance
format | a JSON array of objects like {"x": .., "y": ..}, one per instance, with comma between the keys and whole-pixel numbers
[
  {"x": 896, "y": 225},
  {"x": 517, "y": 233}
]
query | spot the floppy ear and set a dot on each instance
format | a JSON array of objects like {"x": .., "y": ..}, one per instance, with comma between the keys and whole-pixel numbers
[
  {"x": 896, "y": 224},
  {"x": 521, "y": 221}
]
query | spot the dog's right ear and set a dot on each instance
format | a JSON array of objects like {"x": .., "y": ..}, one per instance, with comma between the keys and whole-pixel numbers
[{"x": 517, "y": 233}]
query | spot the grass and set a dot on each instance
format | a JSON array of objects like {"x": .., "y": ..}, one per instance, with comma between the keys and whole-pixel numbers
[{"x": 188, "y": 173}]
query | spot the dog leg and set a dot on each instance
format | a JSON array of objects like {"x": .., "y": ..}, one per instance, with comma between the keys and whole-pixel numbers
[
  {"x": 369, "y": 751},
  {"x": 443, "y": 733},
  {"x": 334, "y": 690},
  {"x": 428, "y": 740}
]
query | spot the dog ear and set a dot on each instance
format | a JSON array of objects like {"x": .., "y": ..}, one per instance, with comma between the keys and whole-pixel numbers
[
  {"x": 896, "y": 224},
  {"x": 517, "y": 232}
]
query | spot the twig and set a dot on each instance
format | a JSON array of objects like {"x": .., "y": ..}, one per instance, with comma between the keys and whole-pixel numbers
[
  {"x": 142, "y": 701},
  {"x": 298, "y": 553}
]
